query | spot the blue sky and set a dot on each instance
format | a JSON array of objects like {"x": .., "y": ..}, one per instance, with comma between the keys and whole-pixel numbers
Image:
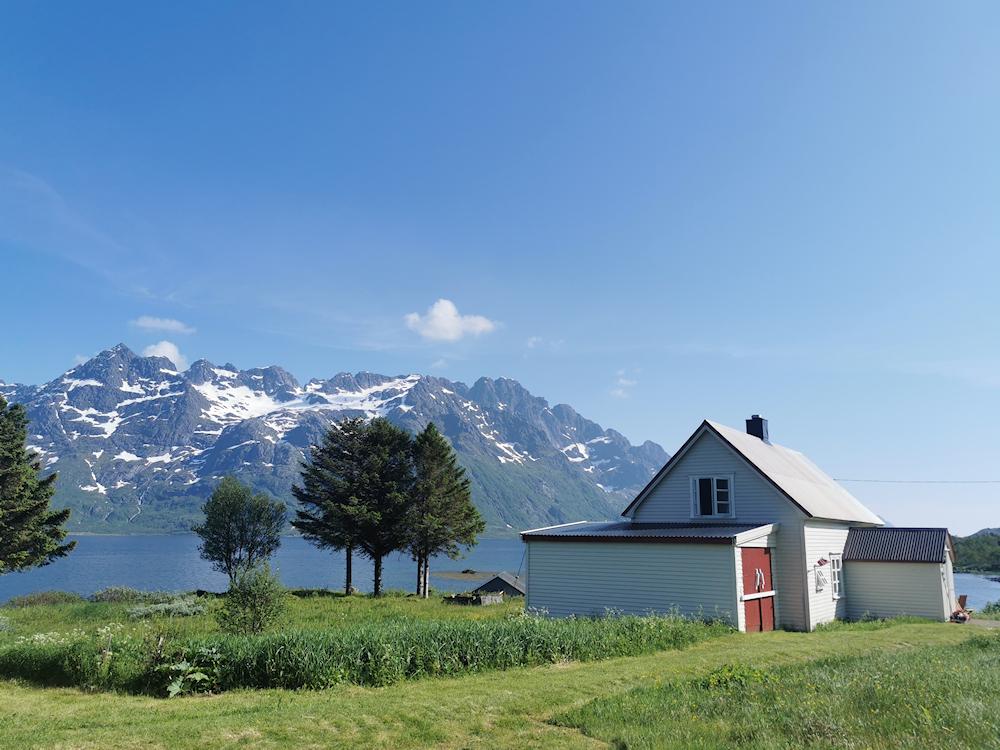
[{"x": 656, "y": 213}]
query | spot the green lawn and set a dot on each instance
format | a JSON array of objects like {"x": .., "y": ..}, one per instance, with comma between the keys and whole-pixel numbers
[
  {"x": 940, "y": 696},
  {"x": 515, "y": 708}
]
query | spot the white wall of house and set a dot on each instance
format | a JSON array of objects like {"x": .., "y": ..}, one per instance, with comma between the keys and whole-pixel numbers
[
  {"x": 587, "y": 578},
  {"x": 823, "y": 539},
  {"x": 755, "y": 500},
  {"x": 889, "y": 589}
]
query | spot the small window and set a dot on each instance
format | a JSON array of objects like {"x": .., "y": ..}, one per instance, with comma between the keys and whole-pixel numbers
[
  {"x": 712, "y": 496},
  {"x": 837, "y": 575}
]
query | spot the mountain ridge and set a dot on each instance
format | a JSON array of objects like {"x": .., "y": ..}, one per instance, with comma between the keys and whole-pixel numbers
[{"x": 139, "y": 444}]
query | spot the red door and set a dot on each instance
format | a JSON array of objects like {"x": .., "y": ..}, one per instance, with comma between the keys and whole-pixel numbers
[{"x": 756, "y": 580}]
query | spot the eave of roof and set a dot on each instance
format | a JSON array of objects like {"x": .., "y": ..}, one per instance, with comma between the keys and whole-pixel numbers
[{"x": 663, "y": 533}]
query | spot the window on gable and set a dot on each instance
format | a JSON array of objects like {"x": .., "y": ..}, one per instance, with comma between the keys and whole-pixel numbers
[{"x": 712, "y": 496}]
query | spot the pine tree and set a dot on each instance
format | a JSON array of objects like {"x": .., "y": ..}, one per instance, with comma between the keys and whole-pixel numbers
[
  {"x": 330, "y": 479},
  {"x": 441, "y": 516},
  {"x": 31, "y": 533},
  {"x": 241, "y": 530},
  {"x": 380, "y": 516}
]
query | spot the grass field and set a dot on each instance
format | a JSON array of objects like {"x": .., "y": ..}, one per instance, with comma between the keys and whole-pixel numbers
[{"x": 554, "y": 706}]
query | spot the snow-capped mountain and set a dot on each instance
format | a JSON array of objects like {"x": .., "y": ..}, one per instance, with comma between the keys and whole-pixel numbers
[{"x": 138, "y": 445}]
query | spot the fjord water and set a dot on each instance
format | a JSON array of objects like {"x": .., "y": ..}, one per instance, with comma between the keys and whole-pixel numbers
[{"x": 172, "y": 563}]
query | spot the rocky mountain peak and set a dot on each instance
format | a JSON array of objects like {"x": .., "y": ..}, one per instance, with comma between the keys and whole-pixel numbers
[{"x": 139, "y": 445}]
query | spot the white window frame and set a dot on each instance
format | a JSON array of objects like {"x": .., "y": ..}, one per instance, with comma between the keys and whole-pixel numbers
[
  {"x": 837, "y": 574},
  {"x": 696, "y": 506}
]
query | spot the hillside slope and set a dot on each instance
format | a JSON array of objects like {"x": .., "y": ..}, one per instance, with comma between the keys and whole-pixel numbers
[{"x": 139, "y": 445}]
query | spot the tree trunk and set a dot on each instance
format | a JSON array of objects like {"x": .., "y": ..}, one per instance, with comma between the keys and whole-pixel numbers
[
  {"x": 427, "y": 568},
  {"x": 348, "y": 584},
  {"x": 420, "y": 570},
  {"x": 377, "y": 587}
]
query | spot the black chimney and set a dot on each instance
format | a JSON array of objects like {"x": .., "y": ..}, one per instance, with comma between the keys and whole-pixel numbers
[{"x": 757, "y": 426}]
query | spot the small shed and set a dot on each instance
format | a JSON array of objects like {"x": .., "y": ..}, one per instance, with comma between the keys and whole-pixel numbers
[
  {"x": 899, "y": 571},
  {"x": 502, "y": 583}
]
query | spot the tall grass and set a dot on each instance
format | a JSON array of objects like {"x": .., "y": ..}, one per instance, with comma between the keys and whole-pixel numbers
[
  {"x": 931, "y": 697},
  {"x": 372, "y": 654}
]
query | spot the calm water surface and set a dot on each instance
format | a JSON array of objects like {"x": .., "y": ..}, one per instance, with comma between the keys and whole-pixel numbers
[{"x": 172, "y": 563}]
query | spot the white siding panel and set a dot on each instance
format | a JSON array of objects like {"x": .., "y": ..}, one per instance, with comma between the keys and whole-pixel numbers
[
  {"x": 823, "y": 539},
  {"x": 755, "y": 500},
  {"x": 588, "y": 578},
  {"x": 891, "y": 589},
  {"x": 741, "y": 612}
]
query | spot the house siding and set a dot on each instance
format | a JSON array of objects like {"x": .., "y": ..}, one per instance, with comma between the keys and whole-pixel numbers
[
  {"x": 823, "y": 539},
  {"x": 755, "y": 500},
  {"x": 889, "y": 589},
  {"x": 588, "y": 578}
]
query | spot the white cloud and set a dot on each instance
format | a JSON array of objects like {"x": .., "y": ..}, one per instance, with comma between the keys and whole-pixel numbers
[
  {"x": 169, "y": 350},
  {"x": 79, "y": 359},
  {"x": 623, "y": 384},
  {"x": 439, "y": 364},
  {"x": 533, "y": 341},
  {"x": 149, "y": 323},
  {"x": 442, "y": 322}
]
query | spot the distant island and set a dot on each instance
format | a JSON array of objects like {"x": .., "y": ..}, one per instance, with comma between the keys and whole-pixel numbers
[{"x": 978, "y": 553}]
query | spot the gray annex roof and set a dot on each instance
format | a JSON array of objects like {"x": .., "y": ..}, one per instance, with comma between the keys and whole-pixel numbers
[
  {"x": 703, "y": 533},
  {"x": 897, "y": 545}
]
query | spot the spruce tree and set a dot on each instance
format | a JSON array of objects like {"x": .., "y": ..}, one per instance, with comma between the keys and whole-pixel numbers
[
  {"x": 380, "y": 515},
  {"x": 441, "y": 515},
  {"x": 31, "y": 532},
  {"x": 330, "y": 480}
]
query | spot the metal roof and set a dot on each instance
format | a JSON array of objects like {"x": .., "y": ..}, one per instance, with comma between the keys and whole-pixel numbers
[
  {"x": 815, "y": 492},
  {"x": 511, "y": 580},
  {"x": 897, "y": 545},
  {"x": 706, "y": 533}
]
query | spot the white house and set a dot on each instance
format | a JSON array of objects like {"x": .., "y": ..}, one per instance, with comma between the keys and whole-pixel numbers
[{"x": 737, "y": 527}]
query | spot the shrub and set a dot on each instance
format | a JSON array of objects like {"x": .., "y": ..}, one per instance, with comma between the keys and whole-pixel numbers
[
  {"x": 178, "y": 607},
  {"x": 129, "y": 595},
  {"x": 991, "y": 608},
  {"x": 254, "y": 602},
  {"x": 735, "y": 677},
  {"x": 45, "y": 598}
]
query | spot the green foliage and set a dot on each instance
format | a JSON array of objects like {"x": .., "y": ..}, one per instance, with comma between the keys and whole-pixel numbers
[
  {"x": 241, "y": 530},
  {"x": 129, "y": 595},
  {"x": 867, "y": 621},
  {"x": 356, "y": 490},
  {"x": 178, "y": 607},
  {"x": 197, "y": 674},
  {"x": 329, "y": 478},
  {"x": 44, "y": 598},
  {"x": 31, "y": 533},
  {"x": 735, "y": 677},
  {"x": 927, "y": 697},
  {"x": 978, "y": 554},
  {"x": 255, "y": 601},
  {"x": 371, "y": 653},
  {"x": 441, "y": 514}
]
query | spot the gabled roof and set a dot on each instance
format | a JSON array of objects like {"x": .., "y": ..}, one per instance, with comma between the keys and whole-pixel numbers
[
  {"x": 803, "y": 483},
  {"x": 511, "y": 580},
  {"x": 897, "y": 545},
  {"x": 677, "y": 533}
]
